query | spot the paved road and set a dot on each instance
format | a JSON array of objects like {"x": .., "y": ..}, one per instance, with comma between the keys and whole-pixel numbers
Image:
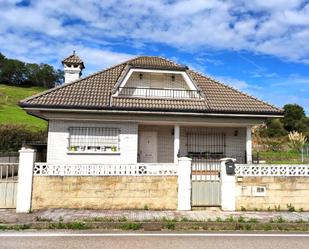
[{"x": 29, "y": 240}]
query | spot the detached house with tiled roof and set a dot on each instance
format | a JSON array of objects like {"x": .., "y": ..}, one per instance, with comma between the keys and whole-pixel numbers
[{"x": 143, "y": 117}]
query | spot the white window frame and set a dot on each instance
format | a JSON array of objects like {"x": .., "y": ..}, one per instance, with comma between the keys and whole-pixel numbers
[{"x": 97, "y": 140}]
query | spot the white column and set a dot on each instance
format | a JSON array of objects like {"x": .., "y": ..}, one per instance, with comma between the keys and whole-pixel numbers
[
  {"x": 176, "y": 142},
  {"x": 249, "y": 145},
  {"x": 228, "y": 188},
  {"x": 24, "y": 187},
  {"x": 184, "y": 183}
]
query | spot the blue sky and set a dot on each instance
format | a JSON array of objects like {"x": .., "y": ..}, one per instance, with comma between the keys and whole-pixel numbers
[{"x": 259, "y": 47}]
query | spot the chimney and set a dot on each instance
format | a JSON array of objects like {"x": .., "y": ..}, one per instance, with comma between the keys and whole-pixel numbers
[{"x": 73, "y": 67}]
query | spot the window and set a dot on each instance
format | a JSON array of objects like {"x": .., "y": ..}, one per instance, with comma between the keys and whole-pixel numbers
[{"x": 94, "y": 139}]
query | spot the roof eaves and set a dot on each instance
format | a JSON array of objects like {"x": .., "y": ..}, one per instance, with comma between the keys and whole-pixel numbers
[{"x": 67, "y": 107}]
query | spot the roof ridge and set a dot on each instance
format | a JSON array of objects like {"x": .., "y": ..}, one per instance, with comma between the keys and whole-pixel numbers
[
  {"x": 236, "y": 89},
  {"x": 155, "y": 56}
]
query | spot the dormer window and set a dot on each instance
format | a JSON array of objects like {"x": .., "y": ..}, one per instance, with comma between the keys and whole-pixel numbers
[{"x": 146, "y": 83}]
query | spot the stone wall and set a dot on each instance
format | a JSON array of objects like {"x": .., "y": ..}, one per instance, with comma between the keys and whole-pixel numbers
[
  {"x": 104, "y": 192},
  {"x": 280, "y": 192}
]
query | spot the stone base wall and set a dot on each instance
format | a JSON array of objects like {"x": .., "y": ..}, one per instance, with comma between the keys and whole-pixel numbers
[
  {"x": 280, "y": 192},
  {"x": 104, "y": 192}
]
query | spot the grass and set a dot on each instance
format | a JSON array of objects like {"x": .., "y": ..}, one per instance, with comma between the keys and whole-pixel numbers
[
  {"x": 10, "y": 112},
  {"x": 131, "y": 226},
  {"x": 281, "y": 157}
]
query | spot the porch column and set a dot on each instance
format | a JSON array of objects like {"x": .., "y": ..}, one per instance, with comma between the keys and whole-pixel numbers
[
  {"x": 176, "y": 142},
  {"x": 24, "y": 187},
  {"x": 249, "y": 145}
]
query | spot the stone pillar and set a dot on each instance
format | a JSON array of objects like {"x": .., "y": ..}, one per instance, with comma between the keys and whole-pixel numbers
[
  {"x": 249, "y": 145},
  {"x": 24, "y": 187},
  {"x": 184, "y": 183},
  {"x": 228, "y": 188},
  {"x": 176, "y": 142}
]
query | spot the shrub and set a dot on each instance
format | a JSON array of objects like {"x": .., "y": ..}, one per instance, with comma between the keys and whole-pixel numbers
[
  {"x": 290, "y": 207},
  {"x": 13, "y": 136},
  {"x": 170, "y": 224},
  {"x": 296, "y": 140}
]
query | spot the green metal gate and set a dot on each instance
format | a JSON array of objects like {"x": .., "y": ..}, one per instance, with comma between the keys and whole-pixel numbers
[
  {"x": 206, "y": 188},
  {"x": 206, "y": 150},
  {"x": 8, "y": 184}
]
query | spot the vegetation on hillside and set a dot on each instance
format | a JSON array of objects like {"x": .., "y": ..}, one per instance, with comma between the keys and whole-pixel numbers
[
  {"x": 283, "y": 140},
  {"x": 11, "y": 113},
  {"x": 18, "y": 73}
]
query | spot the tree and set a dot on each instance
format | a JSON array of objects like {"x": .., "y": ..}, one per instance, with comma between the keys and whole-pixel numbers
[
  {"x": 16, "y": 72},
  {"x": 43, "y": 75},
  {"x": 13, "y": 72},
  {"x": 275, "y": 128},
  {"x": 294, "y": 118}
]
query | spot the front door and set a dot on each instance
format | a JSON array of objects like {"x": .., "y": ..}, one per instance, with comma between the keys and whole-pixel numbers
[{"x": 148, "y": 147}]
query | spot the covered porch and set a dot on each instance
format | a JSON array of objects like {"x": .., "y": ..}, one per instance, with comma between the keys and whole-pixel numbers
[{"x": 165, "y": 143}]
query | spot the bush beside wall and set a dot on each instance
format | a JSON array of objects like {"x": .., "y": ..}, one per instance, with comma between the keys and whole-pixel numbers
[{"x": 12, "y": 136}]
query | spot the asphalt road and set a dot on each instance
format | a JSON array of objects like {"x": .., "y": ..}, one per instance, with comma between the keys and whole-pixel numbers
[{"x": 66, "y": 240}]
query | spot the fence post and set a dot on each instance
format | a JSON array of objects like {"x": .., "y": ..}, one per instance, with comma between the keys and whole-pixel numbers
[
  {"x": 248, "y": 144},
  {"x": 24, "y": 187},
  {"x": 184, "y": 183},
  {"x": 228, "y": 187}
]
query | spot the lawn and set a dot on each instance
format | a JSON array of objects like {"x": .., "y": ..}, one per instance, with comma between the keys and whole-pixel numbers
[
  {"x": 10, "y": 112},
  {"x": 282, "y": 157}
]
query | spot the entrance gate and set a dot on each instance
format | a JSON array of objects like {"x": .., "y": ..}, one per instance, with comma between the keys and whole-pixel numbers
[
  {"x": 8, "y": 184},
  {"x": 206, "y": 150}
]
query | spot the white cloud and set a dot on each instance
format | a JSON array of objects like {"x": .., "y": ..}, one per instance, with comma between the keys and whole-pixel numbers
[{"x": 273, "y": 27}]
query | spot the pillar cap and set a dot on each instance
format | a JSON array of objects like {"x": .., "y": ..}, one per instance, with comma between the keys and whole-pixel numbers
[
  {"x": 184, "y": 159},
  {"x": 26, "y": 150},
  {"x": 228, "y": 158}
]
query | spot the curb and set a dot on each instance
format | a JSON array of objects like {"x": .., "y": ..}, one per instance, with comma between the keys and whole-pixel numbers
[{"x": 158, "y": 226}]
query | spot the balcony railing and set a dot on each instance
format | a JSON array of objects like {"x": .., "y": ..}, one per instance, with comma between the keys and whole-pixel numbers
[{"x": 159, "y": 93}]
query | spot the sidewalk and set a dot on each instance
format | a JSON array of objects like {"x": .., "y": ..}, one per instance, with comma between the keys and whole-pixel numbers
[{"x": 68, "y": 215}]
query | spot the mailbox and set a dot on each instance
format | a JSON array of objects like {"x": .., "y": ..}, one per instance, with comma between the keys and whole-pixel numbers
[{"x": 230, "y": 167}]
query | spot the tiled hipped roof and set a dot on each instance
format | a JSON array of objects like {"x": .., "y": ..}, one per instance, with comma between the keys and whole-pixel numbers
[{"x": 94, "y": 92}]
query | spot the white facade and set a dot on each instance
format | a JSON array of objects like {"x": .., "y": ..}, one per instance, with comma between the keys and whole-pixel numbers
[
  {"x": 58, "y": 151},
  {"x": 169, "y": 139}
]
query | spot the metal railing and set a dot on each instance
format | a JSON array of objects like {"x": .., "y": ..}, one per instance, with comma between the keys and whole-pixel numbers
[
  {"x": 8, "y": 172},
  {"x": 8, "y": 184},
  {"x": 159, "y": 93}
]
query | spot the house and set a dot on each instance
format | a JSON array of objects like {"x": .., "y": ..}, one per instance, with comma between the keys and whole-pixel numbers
[{"x": 139, "y": 117}]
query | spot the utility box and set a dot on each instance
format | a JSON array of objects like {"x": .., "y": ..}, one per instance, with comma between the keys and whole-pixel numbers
[{"x": 230, "y": 167}]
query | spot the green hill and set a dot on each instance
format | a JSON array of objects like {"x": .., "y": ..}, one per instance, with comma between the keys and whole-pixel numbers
[{"x": 10, "y": 112}]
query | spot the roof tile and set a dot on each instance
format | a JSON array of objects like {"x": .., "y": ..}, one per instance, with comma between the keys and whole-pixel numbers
[{"x": 94, "y": 91}]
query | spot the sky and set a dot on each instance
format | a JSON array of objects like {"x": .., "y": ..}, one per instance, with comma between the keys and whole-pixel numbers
[{"x": 258, "y": 47}]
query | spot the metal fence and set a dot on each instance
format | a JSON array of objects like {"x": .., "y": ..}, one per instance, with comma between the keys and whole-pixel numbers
[
  {"x": 9, "y": 157},
  {"x": 8, "y": 184},
  {"x": 281, "y": 157}
]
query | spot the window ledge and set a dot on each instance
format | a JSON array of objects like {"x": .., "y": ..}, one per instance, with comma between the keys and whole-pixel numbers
[{"x": 93, "y": 153}]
